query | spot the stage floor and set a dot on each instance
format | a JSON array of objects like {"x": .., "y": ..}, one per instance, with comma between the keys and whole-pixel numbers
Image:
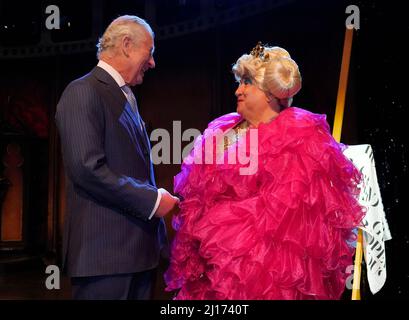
[{"x": 26, "y": 281}]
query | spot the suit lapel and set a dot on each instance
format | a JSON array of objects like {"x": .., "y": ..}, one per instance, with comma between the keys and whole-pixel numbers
[
  {"x": 114, "y": 89},
  {"x": 124, "y": 106},
  {"x": 143, "y": 133}
]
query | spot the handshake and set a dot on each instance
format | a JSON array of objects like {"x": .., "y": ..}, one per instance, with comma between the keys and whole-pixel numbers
[{"x": 167, "y": 204}]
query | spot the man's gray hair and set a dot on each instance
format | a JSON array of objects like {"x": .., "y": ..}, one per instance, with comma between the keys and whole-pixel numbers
[{"x": 122, "y": 26}]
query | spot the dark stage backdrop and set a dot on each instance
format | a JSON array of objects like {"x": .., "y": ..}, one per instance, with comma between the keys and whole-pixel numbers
[{"x": 193, "y": 83}]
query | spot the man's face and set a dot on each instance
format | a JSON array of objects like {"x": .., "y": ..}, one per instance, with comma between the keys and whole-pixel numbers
[
  {"x": 141, "y": 59},
  {"x": 251, "y": 101}
]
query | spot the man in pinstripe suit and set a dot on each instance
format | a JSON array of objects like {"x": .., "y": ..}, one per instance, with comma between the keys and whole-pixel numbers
[{"x": 114, "y": 230}]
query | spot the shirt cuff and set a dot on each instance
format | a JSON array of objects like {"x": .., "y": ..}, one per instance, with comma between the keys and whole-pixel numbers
[{"x": 156, "y": 205}]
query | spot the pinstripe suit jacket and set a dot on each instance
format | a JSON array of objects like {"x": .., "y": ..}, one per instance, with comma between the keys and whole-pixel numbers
[{"x": 111, "y": 188}]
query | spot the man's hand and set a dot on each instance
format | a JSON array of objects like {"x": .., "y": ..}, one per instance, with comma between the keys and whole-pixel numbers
[{"x": 167, "y": 204}]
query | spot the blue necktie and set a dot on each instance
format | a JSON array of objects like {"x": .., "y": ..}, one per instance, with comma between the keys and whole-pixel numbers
[{"x": 134, "y": 106}]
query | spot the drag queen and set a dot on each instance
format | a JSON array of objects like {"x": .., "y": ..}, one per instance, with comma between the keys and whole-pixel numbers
[{"x": 282, "y": 231}]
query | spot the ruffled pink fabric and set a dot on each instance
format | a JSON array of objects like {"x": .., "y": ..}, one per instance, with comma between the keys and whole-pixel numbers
[{"x": 281, "y": 233}]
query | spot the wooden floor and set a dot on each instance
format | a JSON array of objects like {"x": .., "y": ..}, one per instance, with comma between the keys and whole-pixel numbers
[{"x": 26, "y": 281}]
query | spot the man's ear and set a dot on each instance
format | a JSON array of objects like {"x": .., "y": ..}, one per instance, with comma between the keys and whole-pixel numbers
[
  {"x": 126, "y": 45},
  {"x": 269, "y": 97}
]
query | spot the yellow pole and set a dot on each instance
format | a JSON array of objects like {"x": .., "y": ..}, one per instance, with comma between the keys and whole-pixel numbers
[
  {"x": 356, "y": 287},
  {"x": 339, "y": 116},
  {"x": 342, "y": 86}
]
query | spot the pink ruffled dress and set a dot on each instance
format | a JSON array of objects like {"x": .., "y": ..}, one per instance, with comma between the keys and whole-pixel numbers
[{"x": 281, "y": 233}]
